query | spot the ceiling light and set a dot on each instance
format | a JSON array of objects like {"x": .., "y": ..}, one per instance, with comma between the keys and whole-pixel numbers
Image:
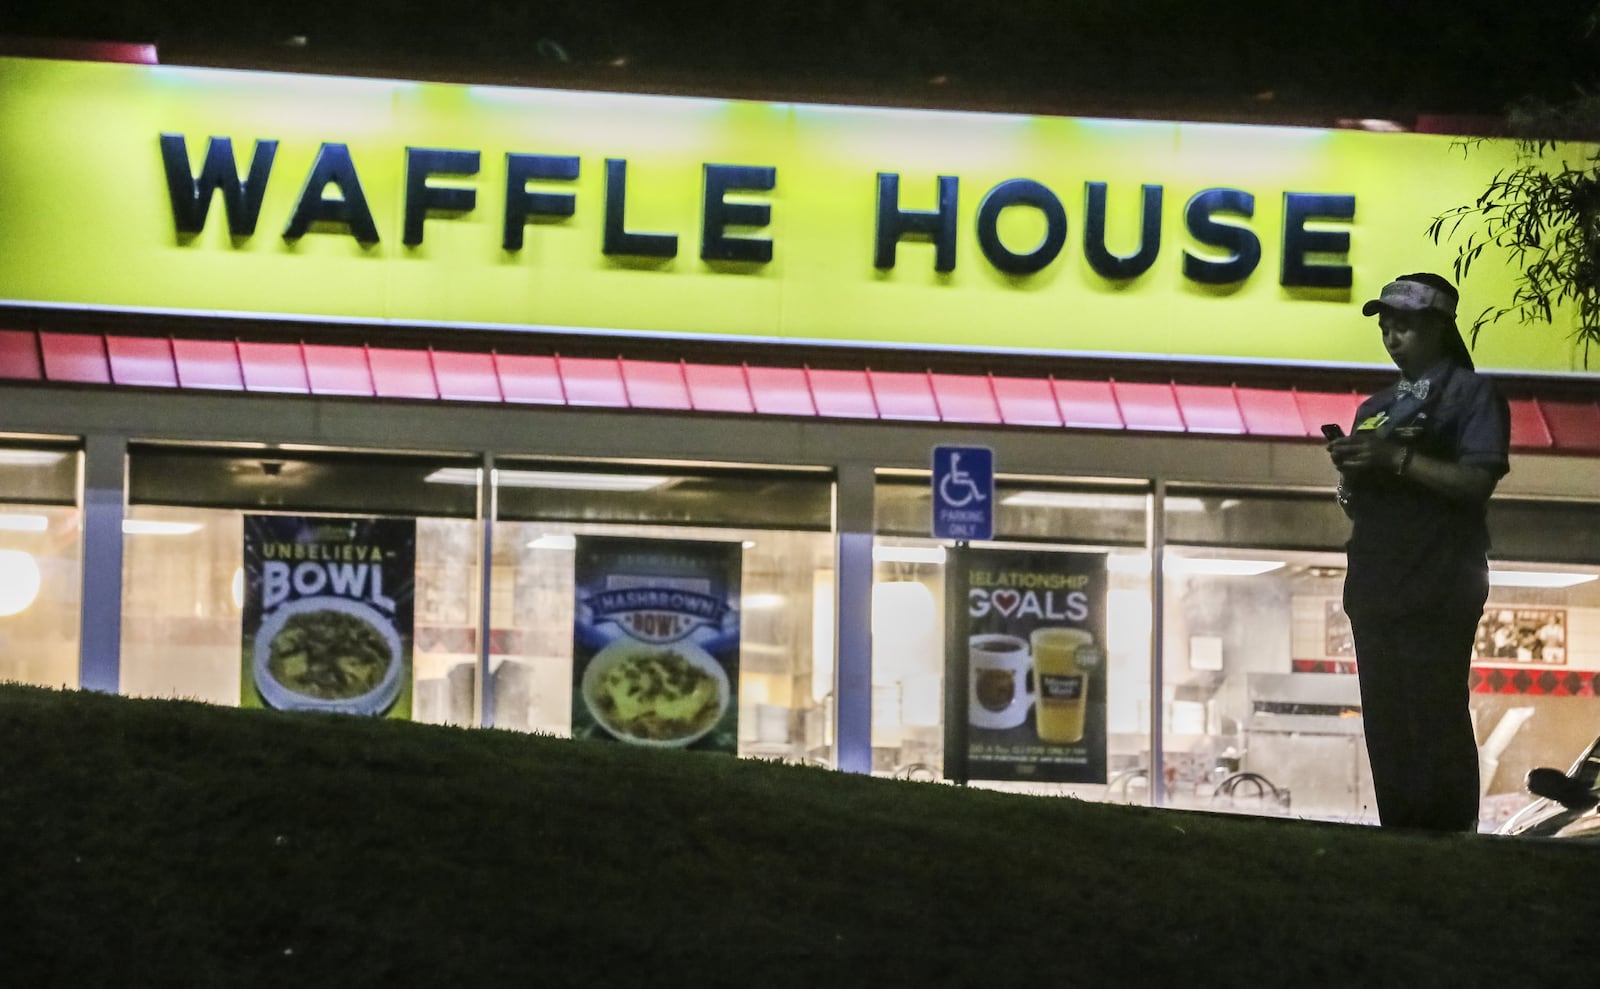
[
  {"x": 1182, "y": 504},
  {"x": 23, "y": 523},
  {"x": 31, "y": 458},
  {"x": 579, "y": 481},
  {"x": 554, "y": 540},
  {"x": 456, "y": 475},
  {"x": 1073, "y": 499},
  {"x": 1538, "y": 578},
  {"x": 756, "y": 602},
  {"x": 1136, "y": 564},
  {"x": 564, "y": 480},
  {"x": 1107, "y": 502},
  {"x": 20, "y": 581},
  {"x": 148, "y": 527},
  {"x": 1200, "y": 566},
  {"x": 908, "y": 554}
]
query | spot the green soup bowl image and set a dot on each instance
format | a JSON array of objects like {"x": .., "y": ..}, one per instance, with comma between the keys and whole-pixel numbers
[
  {"x": 328, "y": 654},
  {"x": 662, "y": 695}
]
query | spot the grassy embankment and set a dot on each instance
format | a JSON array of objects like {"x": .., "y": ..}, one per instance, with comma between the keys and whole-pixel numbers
[{"x": 166, "y": 843}]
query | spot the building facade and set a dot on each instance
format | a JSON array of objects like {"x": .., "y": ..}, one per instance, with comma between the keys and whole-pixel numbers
[{"x": 570, "y": 339}]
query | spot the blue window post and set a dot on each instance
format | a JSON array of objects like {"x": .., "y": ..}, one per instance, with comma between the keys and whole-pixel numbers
[
  {"x": 100, "y": 613},
  {"x": 853, "y": 525}
]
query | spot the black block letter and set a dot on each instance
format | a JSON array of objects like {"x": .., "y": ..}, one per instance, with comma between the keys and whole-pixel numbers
[
  {"x": 1120, "y": 266},
  {"x": 617, "y": 238},
  {"x": 1297, "y": 272},
  {"x": 718, "y": 214},
  {"x": 895, "y": 223},
  {"x": 422, "y": 197},
  {"x": 521, "y": 204},
  {"x": 191, "y": 195},
  {"x": 333, "y": 166},
  {"x": 1021, "y": 192},
  {"x": 1245, "y": 248}
]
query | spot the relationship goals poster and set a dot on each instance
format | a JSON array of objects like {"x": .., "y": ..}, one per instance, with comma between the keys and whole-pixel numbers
[{"x": 1026, "y": 670}]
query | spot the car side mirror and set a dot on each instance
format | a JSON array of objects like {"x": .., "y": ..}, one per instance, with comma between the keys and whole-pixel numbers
[{"x": 1553, "y": 784}]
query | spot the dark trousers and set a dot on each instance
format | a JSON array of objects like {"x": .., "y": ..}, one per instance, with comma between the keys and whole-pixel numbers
[{"x": 1414, "y": 703}]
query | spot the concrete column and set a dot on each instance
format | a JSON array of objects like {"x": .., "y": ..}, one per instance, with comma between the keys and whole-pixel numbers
[
  {"x": 853, "y": 530},
  {"x": 1158, "y": 597},
  {"x": 488, "y": 507},
  {"x": 104, "y": 498}
]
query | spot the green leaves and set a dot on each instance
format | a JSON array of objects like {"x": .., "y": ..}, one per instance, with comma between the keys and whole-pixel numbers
[{"x": 1544, "y": 216}]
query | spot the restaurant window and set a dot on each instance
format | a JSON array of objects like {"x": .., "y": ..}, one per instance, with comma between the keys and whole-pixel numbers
[
  {"x": 1536, "y": 656},
  {"x": 184, "y": 568},
  {"x": 1262, "y": 705},
  {"x": 1261, "y": 708},
  {"x": 777, "y": 523},
  {"x": 41, "y": 571},
  {"x": 1046, "y": 533}
]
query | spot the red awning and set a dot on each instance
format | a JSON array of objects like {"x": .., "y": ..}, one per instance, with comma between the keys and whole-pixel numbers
[{"x": 622, "y": 383}]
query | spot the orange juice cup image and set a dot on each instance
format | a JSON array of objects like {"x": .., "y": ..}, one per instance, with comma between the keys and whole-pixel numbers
[{"x": 1062, "y": 660}]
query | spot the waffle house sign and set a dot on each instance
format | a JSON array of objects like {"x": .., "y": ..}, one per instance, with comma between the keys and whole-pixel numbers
[{"x": 166, "y": 189}]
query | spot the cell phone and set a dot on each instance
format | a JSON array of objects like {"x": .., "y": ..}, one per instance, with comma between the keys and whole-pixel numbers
[{"x": 1332, "y": 430}]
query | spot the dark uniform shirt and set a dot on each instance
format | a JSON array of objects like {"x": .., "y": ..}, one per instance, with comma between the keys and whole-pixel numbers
[{"x": 1411, "y": 548}]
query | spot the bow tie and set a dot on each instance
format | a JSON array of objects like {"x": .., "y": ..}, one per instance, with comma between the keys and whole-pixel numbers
[{"x": 1416, "y": 389}]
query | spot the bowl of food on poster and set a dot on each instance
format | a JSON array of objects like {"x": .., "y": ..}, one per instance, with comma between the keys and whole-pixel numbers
[
  {"x": 328, "y": 653},
  {"x": 665, "y": 695}
]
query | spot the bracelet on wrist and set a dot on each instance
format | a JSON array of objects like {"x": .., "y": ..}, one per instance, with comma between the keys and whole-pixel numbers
[{"x": 1404, "y": 464}]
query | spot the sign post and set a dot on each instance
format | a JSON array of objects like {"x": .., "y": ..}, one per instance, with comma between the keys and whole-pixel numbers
[
  {"x": 963, "y": 510},
  {"x": 963, "y": 492}
]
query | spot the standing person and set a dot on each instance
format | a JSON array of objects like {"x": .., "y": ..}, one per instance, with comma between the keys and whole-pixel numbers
[{"x": 1415, "y": 475}]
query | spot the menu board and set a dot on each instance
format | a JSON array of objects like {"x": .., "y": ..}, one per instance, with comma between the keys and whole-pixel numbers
[
  {"x": 328, "y": 614},
  {"x": 656, "y": 642},
  {"x": 1026, "y": 666}
]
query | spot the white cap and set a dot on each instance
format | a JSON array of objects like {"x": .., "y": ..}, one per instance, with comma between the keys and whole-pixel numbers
[{"x": 1409, "y": 296}]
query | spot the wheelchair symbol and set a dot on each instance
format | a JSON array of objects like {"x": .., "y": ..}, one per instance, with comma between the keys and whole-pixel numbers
[{"x": 957, "y": 488}]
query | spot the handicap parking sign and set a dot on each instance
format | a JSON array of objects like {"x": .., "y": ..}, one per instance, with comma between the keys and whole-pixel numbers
[{"x": 963, "y": 492}]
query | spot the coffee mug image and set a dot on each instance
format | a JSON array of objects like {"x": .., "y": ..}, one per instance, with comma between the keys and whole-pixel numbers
[
  {"x": 1000, "y": 689},
  {"x": 1063, "y": 659}
]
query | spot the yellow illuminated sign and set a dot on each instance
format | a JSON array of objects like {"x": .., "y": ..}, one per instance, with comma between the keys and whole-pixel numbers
[{"x": 168, "y": 189}]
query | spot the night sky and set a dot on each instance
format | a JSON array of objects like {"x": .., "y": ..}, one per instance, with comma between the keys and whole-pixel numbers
[{"x": 1245, "y": 59}]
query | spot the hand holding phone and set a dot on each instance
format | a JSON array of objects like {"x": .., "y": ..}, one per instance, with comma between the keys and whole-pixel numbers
[{"x": 1332, "y": 430}]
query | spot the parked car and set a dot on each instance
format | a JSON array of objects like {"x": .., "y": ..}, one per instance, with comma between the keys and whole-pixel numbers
[{"x": 1567, "y": 804}]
